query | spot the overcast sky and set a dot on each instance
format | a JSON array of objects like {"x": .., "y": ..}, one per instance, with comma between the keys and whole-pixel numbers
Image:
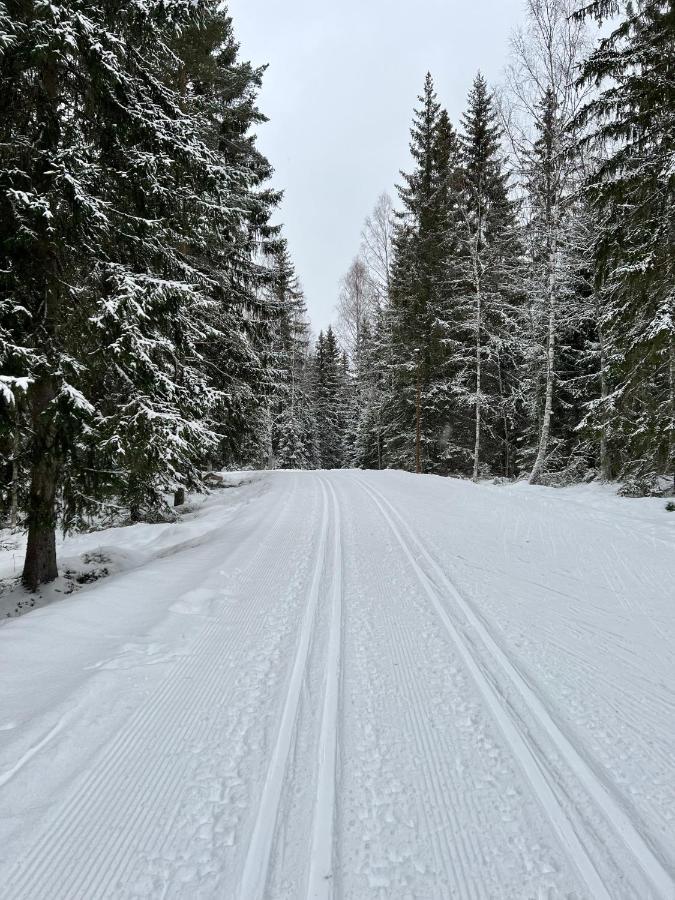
[{"x": 339, "y": 92}]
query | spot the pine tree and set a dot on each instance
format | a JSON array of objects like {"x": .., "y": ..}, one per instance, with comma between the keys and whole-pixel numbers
[
  {"x": 412, "y": 286},
  {"x": 632, "y": 122}
]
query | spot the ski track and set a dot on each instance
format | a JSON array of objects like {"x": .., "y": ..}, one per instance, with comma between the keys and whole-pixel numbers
[
  {"x": 576, "y": 833},
  {"x": 592, "y": 629},
  {"x": 96, "y": 834},
  {"x": 432, "y": 805},
  {"x": 321, "y": 867},
  {"x": 257, "y": 867},
  {"x": 337, "y": 719}
]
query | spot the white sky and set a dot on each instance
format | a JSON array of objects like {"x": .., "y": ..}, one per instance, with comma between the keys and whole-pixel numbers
[{"x": 340, "y": 89}]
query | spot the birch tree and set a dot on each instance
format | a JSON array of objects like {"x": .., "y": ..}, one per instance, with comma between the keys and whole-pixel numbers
[
  {"x": 357, "y": 304},
  {"x": 377, "y": 247},
  {"x": 543, "y": 100}
]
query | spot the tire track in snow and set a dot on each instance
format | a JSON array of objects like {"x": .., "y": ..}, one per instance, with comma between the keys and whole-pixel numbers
[
  {"x": 532, "y": 759},
  {"x": 99, "y": 797},
  {"x": 256, "y": 868}
]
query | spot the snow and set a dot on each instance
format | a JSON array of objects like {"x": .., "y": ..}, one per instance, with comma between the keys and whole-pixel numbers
[
  {"x": 346, "y": 684},
  {"x": 113, "y": 550},
  {"x": 9, "y": 384}
]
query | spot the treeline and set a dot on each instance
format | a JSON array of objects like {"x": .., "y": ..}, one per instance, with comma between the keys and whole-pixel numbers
[
  {"x": 522, "y": 294},
  {"x": 303, "y": 419},
  {"x": 512, "y": 316},
  {"x": 139, "y": 307}
]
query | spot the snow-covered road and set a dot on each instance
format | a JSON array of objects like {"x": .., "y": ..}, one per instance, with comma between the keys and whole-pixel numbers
[{"x": 353, "y": 685}]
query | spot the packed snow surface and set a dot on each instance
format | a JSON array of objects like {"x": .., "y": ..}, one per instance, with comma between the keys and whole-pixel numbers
[{"x": 358, "y": 685}]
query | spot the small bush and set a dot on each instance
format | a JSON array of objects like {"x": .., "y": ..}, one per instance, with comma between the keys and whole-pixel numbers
[
  {"x": 96, "y": 558},
  {"x": 91, "y": 576},
  {"x": 636, "y": 487}
]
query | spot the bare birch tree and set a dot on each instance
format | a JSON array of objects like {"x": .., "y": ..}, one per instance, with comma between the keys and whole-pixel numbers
[
  {"x": 356, "y": 304},
  {"x": 377, "y": 240}
]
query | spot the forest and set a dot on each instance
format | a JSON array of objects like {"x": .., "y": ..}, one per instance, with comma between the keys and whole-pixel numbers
[{"x": 509, "y": 314}]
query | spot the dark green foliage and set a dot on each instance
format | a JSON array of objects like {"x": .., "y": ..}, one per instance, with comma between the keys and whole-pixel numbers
[
  {"x": 292, "y": 413},
  {"x": 369, "y": 397},
  {"x": 331, "y": 402},
  {"x": 423, "y": 246},
  {"x": 631, "y": 123},
  {"x": 131, "y": 223},
  {"x": 487, "y": 305}
]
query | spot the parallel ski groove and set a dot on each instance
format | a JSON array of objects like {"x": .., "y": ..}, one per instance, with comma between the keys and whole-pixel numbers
[
  {"x": 321, "y": 883},
  {"x": 170, "y": 772},
  {"x": 536, "y": 767},
  {"x": 64, "y": 836},
  {"x": 256, "y": 866},
  {"x": 455, "y": 855}
]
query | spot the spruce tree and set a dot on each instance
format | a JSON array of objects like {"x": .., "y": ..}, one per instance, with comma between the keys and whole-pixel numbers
[
  {"x": 370, "y": 397},
  {"x": 220, "y": 90},
  {"x": 557, "y": 243},
  {"x": 293, "y": 439},
  {"x": 485, "y": 304},
  {"x": 330, "y": 401},
  {"x": 632, "y": 123},
  {"x": 121, "y": 233},
  {"x": 418, "y": 288}
]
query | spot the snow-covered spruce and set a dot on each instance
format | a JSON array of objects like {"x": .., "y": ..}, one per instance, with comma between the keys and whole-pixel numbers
[{"x": 130, "y": 213}]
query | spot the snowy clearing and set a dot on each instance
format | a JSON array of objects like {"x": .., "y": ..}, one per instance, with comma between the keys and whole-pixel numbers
[{"x": 351, "y": 684}]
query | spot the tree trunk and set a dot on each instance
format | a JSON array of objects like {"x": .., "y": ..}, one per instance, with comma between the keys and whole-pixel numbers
[
  {"x": 605, "y": 461},
  {"x": 418, "y": 441},
  {"x": 40, "y": 564},
  {"x": 505, "y": 419},
  {"x": 179, "y": 496},
  {"x": 479, "y": 376},
  {"x": 14, "y": 493},
  {"x": 135, "y": 493},
  {"x": 671, "y": 440},
  {"x": 538, "y": 468},
  {"x": 14, "y": 499}
]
